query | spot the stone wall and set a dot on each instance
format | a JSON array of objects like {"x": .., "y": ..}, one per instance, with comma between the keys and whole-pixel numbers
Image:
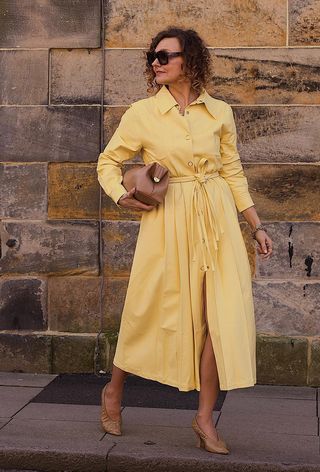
[{"x": 67, "y": 69}]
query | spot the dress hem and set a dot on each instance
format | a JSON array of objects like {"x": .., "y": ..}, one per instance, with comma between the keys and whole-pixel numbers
[{"x": 180, "y": 387}]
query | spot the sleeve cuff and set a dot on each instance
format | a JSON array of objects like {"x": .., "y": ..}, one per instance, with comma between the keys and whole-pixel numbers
[
  {"x": 244, "y": 203},
  {"x": 117, "y": 193}
]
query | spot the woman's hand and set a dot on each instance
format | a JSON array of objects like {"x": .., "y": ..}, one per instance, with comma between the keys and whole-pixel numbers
[
  {"x": 264, "y": 248},
  {"x": 129, "y": 201}
]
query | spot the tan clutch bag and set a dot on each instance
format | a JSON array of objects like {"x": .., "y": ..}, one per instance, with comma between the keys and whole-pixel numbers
[{"x": 150, "y": 181}]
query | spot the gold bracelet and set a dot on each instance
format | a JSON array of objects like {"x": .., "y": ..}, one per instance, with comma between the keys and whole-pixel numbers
[{"x": 259, "y": 226}]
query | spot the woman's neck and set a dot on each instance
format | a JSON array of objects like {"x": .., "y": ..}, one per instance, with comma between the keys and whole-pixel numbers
[{"x": 183, "y": 94}]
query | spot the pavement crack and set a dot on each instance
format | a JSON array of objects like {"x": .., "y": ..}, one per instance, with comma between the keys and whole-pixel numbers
[{"x": 107, "y": 456}]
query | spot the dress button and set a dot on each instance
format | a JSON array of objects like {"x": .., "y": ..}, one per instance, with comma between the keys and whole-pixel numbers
[
  {"x": 190, "y": 163},
  {"x": 187, "y": 136},
  {"x": 204, "y": 267}
]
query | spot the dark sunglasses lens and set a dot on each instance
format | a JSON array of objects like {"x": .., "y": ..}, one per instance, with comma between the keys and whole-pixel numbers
[
  {"x": 162, "y": 57},
  {"x": 151, "y": 57}
]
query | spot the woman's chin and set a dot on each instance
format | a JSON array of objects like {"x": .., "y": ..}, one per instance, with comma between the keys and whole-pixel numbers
[{"x": 161, "y": 80}]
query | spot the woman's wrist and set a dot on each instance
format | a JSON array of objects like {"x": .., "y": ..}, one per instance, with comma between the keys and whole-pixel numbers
[{"x": 258, "y": 227}]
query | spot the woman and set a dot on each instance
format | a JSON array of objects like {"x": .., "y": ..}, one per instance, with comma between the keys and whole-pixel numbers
[{"x": 188, "y": 318}]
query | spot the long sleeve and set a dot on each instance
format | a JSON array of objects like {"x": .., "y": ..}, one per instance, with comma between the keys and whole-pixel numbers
[
  {"x": 232, "y": 170},
  {"x": 123, "y": 145}
]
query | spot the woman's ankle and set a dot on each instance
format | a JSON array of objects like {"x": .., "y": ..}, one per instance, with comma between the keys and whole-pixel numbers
[{"x": 205, "y": 417}]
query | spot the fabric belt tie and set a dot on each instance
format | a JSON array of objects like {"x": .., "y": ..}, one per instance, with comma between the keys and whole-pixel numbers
[{"x": 202, "y": 208}]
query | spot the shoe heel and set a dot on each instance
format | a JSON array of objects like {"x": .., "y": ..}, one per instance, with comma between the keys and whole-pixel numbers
[{"x": 199, "y": 441}]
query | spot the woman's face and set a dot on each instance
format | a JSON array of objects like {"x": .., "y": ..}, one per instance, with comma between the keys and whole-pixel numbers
[{"x": 171, "y": 72}]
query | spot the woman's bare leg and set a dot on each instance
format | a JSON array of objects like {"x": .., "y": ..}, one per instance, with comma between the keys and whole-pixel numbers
[
  {"x": 209, "y": 383},
  {"x": 114, "y": 392}
]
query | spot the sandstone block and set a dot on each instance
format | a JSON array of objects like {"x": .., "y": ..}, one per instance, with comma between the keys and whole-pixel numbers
[
  {"x": 283, "y": 192},
  {"x": 50, "y": 134},
  {"x": 76, "y": 76},
  {"x": 65, "y": 313},
  {"x": 23, "y": 304},
  {"x": 285, "y": 134},
  {"x": 47, "y": 24},
  {"x": 73, "y": 191},
  {"x": 273, "y": 76},
  {"x": 287, "y": 307},
  {"x": 304, "y": 25},
  {"x": 72, "y": 354},
  {"x": 281, "y": 360},
  {"x": 121, "y": 65},
  {"x": 68, "y": 248},
  {"x": 314, "y": 367},
  {"x": 24, "y": 77},
  {"x": 244, "y": 23},
  {"x": 115, "y": 290},
  {"x": 25, "y": 353},
  {"x": 296, "y": 251},
  {"x": 119, "y": 242},
  {"x": 23, "y": 192},
  {"x": 110, "y": 211}
]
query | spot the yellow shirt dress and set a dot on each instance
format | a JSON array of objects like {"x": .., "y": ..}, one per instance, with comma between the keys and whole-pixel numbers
[{"x": 192, "y": 238}]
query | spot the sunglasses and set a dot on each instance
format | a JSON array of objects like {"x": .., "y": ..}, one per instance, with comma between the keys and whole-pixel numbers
[{"x": 162, "y": 56}]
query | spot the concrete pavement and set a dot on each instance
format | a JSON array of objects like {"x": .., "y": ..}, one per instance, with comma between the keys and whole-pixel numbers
[{"x": 267, "y": 428}]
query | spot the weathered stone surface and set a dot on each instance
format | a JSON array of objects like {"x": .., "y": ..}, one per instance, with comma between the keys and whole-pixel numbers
[
  {"x": 71, "y": 354},
  {"x": 296, "y": 251},
  {"x": 278, "y": 134},
  {"x": 111, "y": 118},
  {"x": 24, "y": 77},
  {"x": 47, "y": 24},
  {"x": 65, "y": 313},
  {"x": 110, "y": 211},
  {"x": 281, "y": 360},
  {"x": 121, "y": 66},
  {"x": 282, "y": 192},
  {"x": 314, "y": 366},
  {"x": 266, "y": 76},
  {"x": 25, "y": 353},
  {"x": 23, "y": 303},
  {"x": 244, "y": 24},
  {"x": 115, "y": 290},
  {"x": 50, "y": 134},
  {"x": 23, "y": 192},
  {"x": 119, "y": 242},
  {"x": 73, "y": 191},
  {"x": 304, "y": 22},
  {"x": 49, "y": 247},
  {"x": 76, "y": 76},
  {"x": 287, "y": 307}
]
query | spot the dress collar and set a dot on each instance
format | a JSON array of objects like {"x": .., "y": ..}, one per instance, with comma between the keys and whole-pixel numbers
[{"x": 166, "y": 101}]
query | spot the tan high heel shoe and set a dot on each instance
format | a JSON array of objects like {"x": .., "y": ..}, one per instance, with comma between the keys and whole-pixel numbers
[
  {"x": 108, "y": 424},
  {"x": 207, "y": 443}
]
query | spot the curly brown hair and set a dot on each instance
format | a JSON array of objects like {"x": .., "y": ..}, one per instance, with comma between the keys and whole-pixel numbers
[{"x": 197, "y": 59}]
